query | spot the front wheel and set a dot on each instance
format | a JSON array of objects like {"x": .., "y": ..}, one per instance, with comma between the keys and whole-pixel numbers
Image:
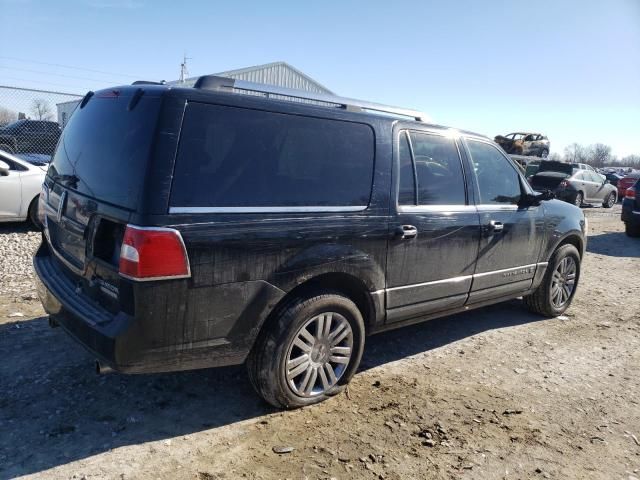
[
  {"x": 610, "y": 201},
  {"x": 544, "y": 153},
  {"x": 555, "y": 293},
  {"x": 33, "y": 214},
  {"x": 308, "y": 351}
]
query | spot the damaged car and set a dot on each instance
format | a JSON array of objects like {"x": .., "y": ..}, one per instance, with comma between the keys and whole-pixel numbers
[
  {"x": 519, "y": 143},
  {"x": 573, "y": 184}
]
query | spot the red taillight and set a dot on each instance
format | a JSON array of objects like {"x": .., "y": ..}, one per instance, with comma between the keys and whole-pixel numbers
[
  {"x": 630, "y": 193},
  {"x": 150, "y": 253},
  {"x": 563, "y": 184}
]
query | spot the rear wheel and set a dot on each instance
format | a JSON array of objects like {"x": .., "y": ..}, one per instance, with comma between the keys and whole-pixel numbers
[
  {"x": 544, "y": 153},
  {"x": 555, "y": 293},
  {"x": 632, "y": 230},
  {"x": 578, "y": 200},
  {"x": 308, "y": 352},
  {"x": 610, "y": 201}
]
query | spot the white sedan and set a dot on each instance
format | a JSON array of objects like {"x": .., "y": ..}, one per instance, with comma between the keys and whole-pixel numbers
[{"x": 20, "y": 186}]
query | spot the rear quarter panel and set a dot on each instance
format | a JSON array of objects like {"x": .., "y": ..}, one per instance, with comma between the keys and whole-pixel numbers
[{"x": 562, "y": 221}]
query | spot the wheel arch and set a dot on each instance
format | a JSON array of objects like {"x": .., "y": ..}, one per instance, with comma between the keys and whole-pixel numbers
[{"x": 339, "y": 282}]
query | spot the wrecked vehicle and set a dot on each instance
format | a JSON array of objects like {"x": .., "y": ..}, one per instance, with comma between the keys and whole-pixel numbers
[
  {"x": 574, "y": 184},
  {"x": 529, "y": 144},
  {"x": 197, "y": 227}
]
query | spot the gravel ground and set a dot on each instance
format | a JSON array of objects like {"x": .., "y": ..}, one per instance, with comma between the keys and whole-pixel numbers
[
  {"x": 18, "y": 243},
  {"x": 494, "y": 393}
]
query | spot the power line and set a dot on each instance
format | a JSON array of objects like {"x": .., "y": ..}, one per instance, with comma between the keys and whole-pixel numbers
[
  {"x": 84, "y": 89},
  {"x": 100, "y": 80},
  {"x": 69, "y": 66}
]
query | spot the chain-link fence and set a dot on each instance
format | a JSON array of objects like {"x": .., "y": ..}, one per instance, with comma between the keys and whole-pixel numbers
[{"x": 31, "y": 121}]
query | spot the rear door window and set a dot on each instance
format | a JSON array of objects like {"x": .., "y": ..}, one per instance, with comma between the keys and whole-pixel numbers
[
  {"x": 438, "y": 171},
  {"x": 233, "y": 157}
]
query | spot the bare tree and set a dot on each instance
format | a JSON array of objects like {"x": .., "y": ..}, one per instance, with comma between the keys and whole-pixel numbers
[
  {"x": 598, "y": 155},
  {"x": 7, "y": 116},
  {"x": 555, "y": 156},
  {"x": 41, "y": 109},
  {"x": 629, "y": 161},
  {"x": 575, "y": 153}
]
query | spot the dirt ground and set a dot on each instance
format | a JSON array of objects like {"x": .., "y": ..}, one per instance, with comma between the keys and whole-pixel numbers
[{"x": 493, "y": 393}]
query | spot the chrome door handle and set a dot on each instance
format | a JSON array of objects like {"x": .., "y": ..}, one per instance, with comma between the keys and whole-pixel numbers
[
  {"x": 406, "y": 231},
  {"x": 496, "y": 226}
]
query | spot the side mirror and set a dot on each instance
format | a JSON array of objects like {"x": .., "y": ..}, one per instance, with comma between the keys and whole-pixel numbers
[
  {"x": 4, "y": 168},
  {"x": 534, "y": 199}
]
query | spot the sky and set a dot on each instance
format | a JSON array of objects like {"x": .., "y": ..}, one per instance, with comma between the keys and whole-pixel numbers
[{"x": 569, "y": 69}]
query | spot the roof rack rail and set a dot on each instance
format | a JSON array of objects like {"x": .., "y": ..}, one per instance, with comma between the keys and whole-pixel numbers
[
  {"x": 214, "y": 82},
  {"x": 147, "y": 82}
]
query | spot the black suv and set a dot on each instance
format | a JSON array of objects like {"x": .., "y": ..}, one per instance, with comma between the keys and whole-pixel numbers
[
  {"x": 197, "y": 227},
  {"x": 30, "y": 136}
]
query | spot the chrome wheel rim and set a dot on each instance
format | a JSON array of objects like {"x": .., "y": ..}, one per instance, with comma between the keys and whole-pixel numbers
[
  {"x": 578, "y": 200},
  {"x": 319, "y": 354},
  {"x": 611, "y": 200},
  {"x": 563, "y": 282}
]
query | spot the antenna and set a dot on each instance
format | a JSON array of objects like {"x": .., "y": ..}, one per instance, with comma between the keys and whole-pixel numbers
[{"x": 184, "y": 72}]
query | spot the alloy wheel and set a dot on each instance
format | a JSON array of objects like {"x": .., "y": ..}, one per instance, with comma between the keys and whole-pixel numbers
[
  {"x": 563, "y": 282},
  {"x": 319, "y": 354}
]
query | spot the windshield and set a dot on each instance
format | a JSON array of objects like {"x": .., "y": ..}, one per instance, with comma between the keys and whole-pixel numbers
[{"x": 104, "y": 149}]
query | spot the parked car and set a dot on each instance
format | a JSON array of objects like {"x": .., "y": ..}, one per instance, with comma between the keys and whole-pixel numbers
[
  {"x": 626, "y": 182},
  {"x": 631, "y": 210},
  {"x": 613, "y": 179},
  {"x": 574, "y": 185},
  {"x": 524, "y": 144},
  {"x": 20, "y": 186},
  {"x": 30, "y": 136},
  {"x": 202, "y": 227}
]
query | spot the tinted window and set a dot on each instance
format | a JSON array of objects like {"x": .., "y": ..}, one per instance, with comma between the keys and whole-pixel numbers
[
  {"x": 498, "y": 180},
  {"x": 407, "y": 188},
  {"x": 233, "y": 157},
  {"x": 105, "y": 148},
  {"x": 438, "y": 170}
]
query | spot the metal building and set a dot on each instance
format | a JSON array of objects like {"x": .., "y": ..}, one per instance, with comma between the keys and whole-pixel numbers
[{"x": 280, "y": 74}]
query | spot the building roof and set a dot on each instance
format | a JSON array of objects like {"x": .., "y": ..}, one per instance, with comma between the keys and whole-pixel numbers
[{"x": 275, "y": 73}]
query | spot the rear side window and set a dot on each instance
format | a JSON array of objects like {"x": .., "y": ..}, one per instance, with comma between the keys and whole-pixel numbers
[
  {"x": 438, "y": 171},
  {"x": 234, "y": 157}
]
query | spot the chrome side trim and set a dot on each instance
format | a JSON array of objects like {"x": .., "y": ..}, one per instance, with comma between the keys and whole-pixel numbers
[
  {"x": 435, "y": 208},
  {"x": 458, "y": 279},
  {"x": 283, "y": 209},
  {"x": 435, "y": 282},
  {"x": 492, "y": 208}
]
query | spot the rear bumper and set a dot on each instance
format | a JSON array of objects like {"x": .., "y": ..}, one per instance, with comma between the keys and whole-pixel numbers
[
  {"x": 629, "y": 215},
  {"x": 121, "y": 341}
]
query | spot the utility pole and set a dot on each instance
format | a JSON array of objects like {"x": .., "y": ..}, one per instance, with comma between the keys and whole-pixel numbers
[{"x": 184, "y": 72}]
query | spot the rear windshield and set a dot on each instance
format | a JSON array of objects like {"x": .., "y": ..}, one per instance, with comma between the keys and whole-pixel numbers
[
  {"x": 233, "y": 157},
  {"x": 104, "y": 149}
]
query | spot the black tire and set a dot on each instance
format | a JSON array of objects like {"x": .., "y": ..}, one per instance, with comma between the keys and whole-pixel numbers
[
  {"x": 540, "y": 301},
  {"x": 544, "y": 153},
  {"x": 610, "y": 201},
  {"x": 33, "y": 214},
  {"x": 578, "y": 201},
  {"x": 267, "y": 361},
  {"x": 632, "y": 230}
]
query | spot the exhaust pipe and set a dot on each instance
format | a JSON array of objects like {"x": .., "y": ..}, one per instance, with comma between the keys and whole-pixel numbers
[{"x": 102, "y": 369}]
